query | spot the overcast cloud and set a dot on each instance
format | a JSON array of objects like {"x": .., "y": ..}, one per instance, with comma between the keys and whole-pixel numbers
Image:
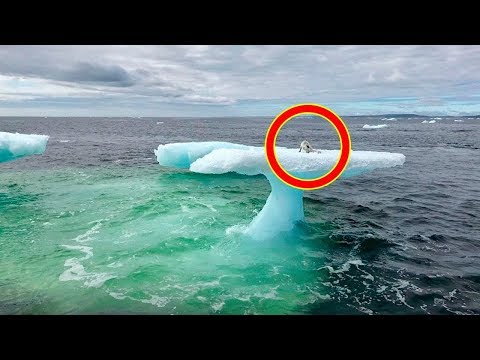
[{"x": 237, "y": 80}]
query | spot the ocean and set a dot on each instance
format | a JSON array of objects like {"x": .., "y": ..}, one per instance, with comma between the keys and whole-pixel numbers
[{"x": 96, "y": 226}]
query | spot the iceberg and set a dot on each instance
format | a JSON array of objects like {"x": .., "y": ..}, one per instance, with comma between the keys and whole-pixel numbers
[
  {"x": 371, "y": 127},
  {"x": 284, "y": 205},
  {"x": 15, "y": 146}
]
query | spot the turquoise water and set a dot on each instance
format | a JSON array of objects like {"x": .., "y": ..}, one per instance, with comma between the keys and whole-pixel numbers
[{"x": 146, "y": 240}]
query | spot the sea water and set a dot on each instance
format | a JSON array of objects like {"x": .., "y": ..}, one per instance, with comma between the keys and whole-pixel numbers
[{"x": 96, "y": 226}]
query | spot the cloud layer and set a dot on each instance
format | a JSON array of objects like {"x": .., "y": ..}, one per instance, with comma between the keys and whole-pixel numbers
[{"x": 237, "y": 80}]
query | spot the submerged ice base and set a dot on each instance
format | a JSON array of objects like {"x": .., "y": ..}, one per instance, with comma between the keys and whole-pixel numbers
[
  {"x": 16, "y": 146},
  {"x": 284, "y": 205}
]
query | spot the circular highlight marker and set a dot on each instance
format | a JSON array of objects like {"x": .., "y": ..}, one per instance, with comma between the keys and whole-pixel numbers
[{"x": 345, "y": 146}]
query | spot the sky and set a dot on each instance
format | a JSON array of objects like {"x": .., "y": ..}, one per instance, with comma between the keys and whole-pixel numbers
[{"x": 237, "y": 80}]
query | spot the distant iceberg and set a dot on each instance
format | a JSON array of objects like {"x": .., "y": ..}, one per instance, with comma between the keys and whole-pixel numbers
[
  {"x": 284, "y": 206},
  {"x": 371, "y": 127},
  {"x": 16, "y": 146}
]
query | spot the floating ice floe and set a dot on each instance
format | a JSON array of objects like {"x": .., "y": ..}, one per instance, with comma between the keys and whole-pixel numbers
[
  {"x": 372, "y": 127},
  {"x": 284, "y": 206},
  {"x": 16, "y": 146}
]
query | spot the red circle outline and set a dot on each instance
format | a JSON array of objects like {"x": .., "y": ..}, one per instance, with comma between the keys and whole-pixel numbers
[{"x": 282, "y": 119}]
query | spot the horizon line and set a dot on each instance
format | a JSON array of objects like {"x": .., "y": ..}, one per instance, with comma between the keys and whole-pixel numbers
[{"x": 225, "y": 116}]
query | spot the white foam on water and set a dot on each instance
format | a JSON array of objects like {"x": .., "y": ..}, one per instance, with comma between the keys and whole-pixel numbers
[
  {"x": 318, "y": 295},
  {"x": 218, "y": 306},
  {"x": 344, "y": 268},
  {"x": 97, "y": 280},
  {"x": 118, "y": 296},
  {"x": 208, "y": 206},
  {"x": 381, "y": 289},
  {"x": 236, "y": 229},
  {"x": 75, "y": 270},
  {"x": 156, "y": 300},
  {"x": 115, "y": 265},
  {"x": 368, "y": 277},
  {"x": 87, "y": 235},
  {"x": 451, "y": 295},
  {"x": 270, "y": 295},
  {"x": 402, "y": 284},
  {"x": 365, "y": 310}
]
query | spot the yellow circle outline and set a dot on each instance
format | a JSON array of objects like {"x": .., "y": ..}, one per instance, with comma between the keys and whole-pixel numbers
[{"x": 339, "y": 155}]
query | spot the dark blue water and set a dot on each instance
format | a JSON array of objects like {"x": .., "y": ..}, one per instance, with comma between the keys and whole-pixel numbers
[{"x": 398, "y": 241}]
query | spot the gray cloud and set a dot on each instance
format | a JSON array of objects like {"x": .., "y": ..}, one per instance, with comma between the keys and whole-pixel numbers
[
  {"x": 229, "y": 75},
  {"x": 21, "y": 63},
  {"x": 85, "y": 72}
]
